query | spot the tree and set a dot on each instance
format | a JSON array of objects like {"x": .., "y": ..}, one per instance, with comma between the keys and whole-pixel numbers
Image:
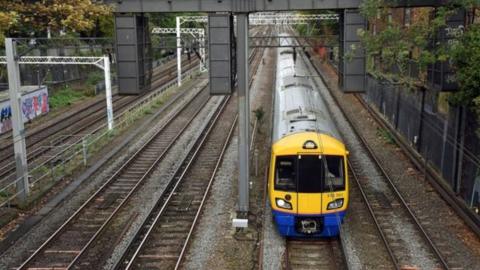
[
  {"x": 393, "y": 46},
  {"x": 7, "y": 20},
  {"x": 465, "y": 57},
  {"x": 34, "y": 18}
]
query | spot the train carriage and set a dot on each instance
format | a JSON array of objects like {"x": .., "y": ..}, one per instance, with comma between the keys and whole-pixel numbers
[{"x": 308, "y": 181}]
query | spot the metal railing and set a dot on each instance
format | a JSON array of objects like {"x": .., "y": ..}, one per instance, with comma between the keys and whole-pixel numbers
[{"x": 72, "y": 155}]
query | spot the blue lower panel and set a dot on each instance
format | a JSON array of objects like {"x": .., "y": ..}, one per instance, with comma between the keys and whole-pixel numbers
[{"x": 286, "y": 224}]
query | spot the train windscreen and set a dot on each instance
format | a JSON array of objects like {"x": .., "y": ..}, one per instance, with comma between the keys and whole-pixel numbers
[
  {"x": 334, "y": 176},
  {"x": 285, "y": 171},
  {"x": 309, "y": 173}
]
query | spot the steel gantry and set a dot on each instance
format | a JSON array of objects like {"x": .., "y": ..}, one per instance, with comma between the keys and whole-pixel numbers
[
  {"x": 197, "y": 33},
  {"x": 289, "y": 18},
  {"x": 271, "y": 18},
  {"x": 12, "y": 60}
]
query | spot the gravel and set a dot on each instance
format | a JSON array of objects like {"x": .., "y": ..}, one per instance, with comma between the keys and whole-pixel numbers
[
  {"x": 458, "y": 244},
  {"x": 151, "y": 191},
  {"x": 216, "y": 244},
  {"x": 205, "y": 251},
  {"x": 38, "y": 234},
  {"x": 413, "y": 244},
  {"x": 274, "y": 245}
]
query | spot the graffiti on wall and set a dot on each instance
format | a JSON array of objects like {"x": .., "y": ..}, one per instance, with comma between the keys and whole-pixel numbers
[{"x": 33, "y": 104}]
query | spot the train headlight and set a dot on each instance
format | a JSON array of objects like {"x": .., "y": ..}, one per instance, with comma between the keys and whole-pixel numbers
[
  {"x": 338, "y": 203},
  {"x": 283, "y": 204}
]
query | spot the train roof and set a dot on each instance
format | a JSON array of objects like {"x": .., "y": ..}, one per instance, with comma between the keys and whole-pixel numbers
[
  {"x": 294, "y": 144},
  {"x": 299, "y": 106}
]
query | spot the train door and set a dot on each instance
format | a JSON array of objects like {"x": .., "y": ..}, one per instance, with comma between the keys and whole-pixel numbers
[{"x": 309, "y": 184}]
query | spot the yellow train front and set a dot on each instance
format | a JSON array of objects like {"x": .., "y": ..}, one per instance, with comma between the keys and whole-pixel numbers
[{"x": 308, "y": 181}]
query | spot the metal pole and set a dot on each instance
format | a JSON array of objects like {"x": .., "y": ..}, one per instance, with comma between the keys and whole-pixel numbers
[
  {"x": 108, "y": 91},
  {"x": 202, "y": 50},
  {"x": 243, "y": 111},
  {"x": 18, "y": 129},
  {"x": 179, "y": 54},
  {"x": 84, "y": 147}
]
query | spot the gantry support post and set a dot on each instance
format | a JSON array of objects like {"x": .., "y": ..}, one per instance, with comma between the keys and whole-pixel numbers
[
  {"x": 108, "y": 91},
  {"x": 203, "y": 61},
  {"x": 243, "y": 112},
  {"x": 179, "y": 54},
  {"x": 18, "y": 129},
  {"x": 352, "y": 69}
]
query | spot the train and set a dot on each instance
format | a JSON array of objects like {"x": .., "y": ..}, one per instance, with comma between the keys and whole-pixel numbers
[{"x": 308, "y": 173}]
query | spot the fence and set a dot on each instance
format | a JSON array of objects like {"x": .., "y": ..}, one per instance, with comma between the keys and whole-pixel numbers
[{"x": 448, "y": 142}]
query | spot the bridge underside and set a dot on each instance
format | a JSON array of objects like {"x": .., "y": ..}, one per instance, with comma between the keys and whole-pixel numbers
[{"x": 249, "y": 5}]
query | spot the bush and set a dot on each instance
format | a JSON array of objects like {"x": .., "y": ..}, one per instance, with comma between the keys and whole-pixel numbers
[
  {"x": 64, "y": 97},
  {"x": 94, "y": 78}
]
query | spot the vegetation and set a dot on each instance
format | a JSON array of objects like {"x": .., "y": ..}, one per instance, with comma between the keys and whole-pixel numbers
[
  {"x": 386, "y": 136},
  {"x": 64, "y": 97},
  {"x": 323, "y": 32},
  {"x": 259, "y": 113},
  {"x": 465, "y": 55},
  {"x": 93, "y": 79},
  {"x": 34, "y": 18},
  {"x": 393, "y": 46}
]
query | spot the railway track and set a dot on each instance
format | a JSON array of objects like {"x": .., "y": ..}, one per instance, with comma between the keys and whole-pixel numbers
[
  {"x": 170, "y": 72},
  {"x": 451, "y": 198},
  {"x": 88, "y": 119},
  {"x": 103, "y": 208},
  {"x": 386, "y": 209},
  {"x": 73, "y": 238},
  {"x": 314, "y": 254},
  {"x": 405, "y": 239},
  {"x": 162, "y": 241}
]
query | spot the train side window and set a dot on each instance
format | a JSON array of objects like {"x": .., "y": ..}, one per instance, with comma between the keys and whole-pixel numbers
[
  {"x": 285, "y": 173},
  {"x": 334, "y": 174}
]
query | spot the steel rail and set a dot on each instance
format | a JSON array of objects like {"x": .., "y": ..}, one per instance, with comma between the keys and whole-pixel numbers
[
  {"x": 472, "y": 221},
  {"x": 113, "y": 177},
  {"x": 124, "y": 106},
  {"x": 327, "y": 247},
  {"x": 147, "y": 174},
  {"x": 340, "y": 242},
  {"x": 204, "y": 198},
  {"x": 393, "y": 187},
  {"x": 177, "y": 182},
  {"x": 374, "y": 217},
  {"x": 145, "y": 236}
]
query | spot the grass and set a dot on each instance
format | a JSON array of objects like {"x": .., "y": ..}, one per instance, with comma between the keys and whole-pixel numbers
[
  {"x": 259, "y": 113},
  {"x": 386, "y": 136},
  {"x": 65, "y": 97}
]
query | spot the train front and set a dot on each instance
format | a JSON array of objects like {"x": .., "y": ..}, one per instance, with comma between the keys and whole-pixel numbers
[{"x": 308, "y": 187}]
